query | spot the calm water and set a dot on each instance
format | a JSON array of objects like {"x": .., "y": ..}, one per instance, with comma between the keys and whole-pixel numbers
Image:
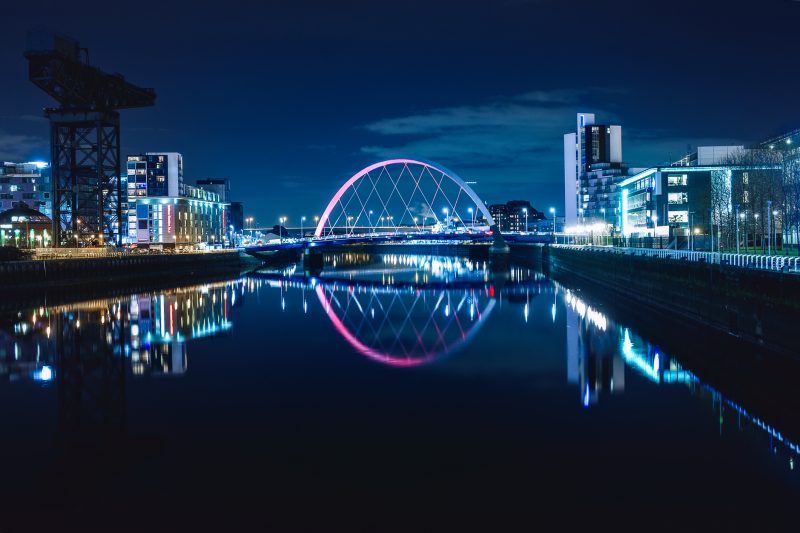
[{"x": 388, "y": 392}]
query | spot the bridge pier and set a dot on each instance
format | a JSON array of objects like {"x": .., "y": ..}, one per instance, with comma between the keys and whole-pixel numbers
[
  {"x": 313, "y": 261},
  {"x": 499, "y": 245}
]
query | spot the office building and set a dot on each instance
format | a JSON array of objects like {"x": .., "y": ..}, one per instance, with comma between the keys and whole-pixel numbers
[
  {"x": 163, "y": 211},
  {"x": 593, "y": 167},
  {"x": 26, "y": 183},
  {"x": 692, "y": 197}
]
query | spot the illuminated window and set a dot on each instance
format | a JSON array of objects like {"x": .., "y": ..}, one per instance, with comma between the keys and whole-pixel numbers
[
  {"x": 745, "y": 178},
  {"x": 677, "y": 180},
  {"x": 746, "y": 197},
  {"x": 678, "y": 198}
]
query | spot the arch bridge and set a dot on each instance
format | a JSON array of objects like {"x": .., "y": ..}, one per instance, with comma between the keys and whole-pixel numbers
[{"x": 402, "y": 200}]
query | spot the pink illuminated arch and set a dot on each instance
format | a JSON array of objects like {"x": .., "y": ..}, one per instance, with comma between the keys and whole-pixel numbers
[
  {"x": 421, "y": 354},
  {"x": 415, "y": 170}
]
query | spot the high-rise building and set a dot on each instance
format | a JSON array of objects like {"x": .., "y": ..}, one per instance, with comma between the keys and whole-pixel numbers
[
  {"x": 165, "y": 212},
  {"x": 592, "y": 169},
  {"x": 26, "y": 183}
]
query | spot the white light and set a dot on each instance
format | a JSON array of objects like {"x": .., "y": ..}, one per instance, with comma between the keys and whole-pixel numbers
[
  {"x": 45, "y": 374},
  {"x": 40, "y": 164}
]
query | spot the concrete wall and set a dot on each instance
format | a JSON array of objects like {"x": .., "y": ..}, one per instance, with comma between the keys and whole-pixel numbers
[{"x": 758, "y": 306}]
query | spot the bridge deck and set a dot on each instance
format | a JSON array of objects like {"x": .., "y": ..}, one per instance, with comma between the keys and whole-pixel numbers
[{"x": 415, "y": 238}]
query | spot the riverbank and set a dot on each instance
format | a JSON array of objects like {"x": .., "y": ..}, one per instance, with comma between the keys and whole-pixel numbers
[
  {"x": 758, "y": 306},
  {"x": 59, "y": 279}
]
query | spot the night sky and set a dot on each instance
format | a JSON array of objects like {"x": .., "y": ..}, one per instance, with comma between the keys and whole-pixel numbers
[{"x": 288, "y": 99}]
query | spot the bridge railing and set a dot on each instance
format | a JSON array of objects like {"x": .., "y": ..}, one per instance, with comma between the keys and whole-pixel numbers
[{"x": 753, "y": 261}]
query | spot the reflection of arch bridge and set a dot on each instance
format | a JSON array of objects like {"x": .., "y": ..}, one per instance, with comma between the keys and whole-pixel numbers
[
  {"x": 402, "y": 200},
  {"x": 403, "y": 324}
]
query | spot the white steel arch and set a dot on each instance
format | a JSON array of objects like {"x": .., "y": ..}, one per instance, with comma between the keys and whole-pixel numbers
[{"x": 362, "y": 190}]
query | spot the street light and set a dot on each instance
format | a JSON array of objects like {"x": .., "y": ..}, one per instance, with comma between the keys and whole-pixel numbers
[
  {"x": 446, "y": 222},
  {"x": 755, "y": 229},
  {"x": 525, "y": 210},
  {"x": 472, "y": 216},
  {"x": 738, "y": 216},
  {"x": 769, "y": 227},
  {"x": 280, "y": 228},
  {"x": 302, "y": 219},
  {"x": 775, "y": 236},
  {"x": 369, "y": 220}
]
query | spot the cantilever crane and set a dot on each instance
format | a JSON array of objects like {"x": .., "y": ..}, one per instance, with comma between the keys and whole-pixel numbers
[{"x": 88, "y": 199}]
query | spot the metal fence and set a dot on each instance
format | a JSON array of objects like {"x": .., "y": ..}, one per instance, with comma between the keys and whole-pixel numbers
[{"x": 762, "y": 262}]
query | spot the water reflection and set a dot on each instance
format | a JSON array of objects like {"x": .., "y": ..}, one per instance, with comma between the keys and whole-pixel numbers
[
  {"x": 397, "y": 310},
  {"x": 599, "y": 350},
  {"x": 151, "y": 331}
]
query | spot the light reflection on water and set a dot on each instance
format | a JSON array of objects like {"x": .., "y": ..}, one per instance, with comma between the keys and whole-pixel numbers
[{"x": 400, "y": 311}]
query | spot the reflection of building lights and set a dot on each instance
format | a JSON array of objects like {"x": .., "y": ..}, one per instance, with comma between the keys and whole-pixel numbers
[
  {"x": 44, "y": 374},
  {"x": 636, "y": 360},
  {"x": 595, "y": 317}
]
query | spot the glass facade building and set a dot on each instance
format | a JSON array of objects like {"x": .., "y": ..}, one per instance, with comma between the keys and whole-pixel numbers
[{"x": 165, "y": 212}]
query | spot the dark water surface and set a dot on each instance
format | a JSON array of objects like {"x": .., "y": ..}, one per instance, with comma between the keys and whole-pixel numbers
[{"x": 388, "y": 392}]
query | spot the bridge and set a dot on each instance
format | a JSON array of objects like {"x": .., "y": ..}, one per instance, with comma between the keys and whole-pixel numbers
[{"x": 403, "y": 201}]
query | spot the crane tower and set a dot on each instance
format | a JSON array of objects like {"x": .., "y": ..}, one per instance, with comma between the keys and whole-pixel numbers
[{"x": 87, "y": 186}]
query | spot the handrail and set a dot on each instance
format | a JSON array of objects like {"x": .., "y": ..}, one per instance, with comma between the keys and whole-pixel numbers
[{"x": 751, "y": 261}]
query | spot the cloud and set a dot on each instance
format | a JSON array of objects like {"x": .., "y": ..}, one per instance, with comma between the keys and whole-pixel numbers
[
  {"x": 18, "y": 147},
  {"x": 520, "y": 139}
]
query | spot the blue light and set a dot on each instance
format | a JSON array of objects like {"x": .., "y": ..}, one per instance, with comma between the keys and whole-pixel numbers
[
  {"x": 45, "y": 374},
  {"x": 586, "y": 397}
]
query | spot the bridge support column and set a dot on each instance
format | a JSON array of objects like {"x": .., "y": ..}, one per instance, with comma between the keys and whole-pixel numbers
[
  {"x": 313, "y": 261},
  {"x": 499, "y": 246}
]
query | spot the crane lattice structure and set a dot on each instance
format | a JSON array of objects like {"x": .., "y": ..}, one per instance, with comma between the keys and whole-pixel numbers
[{"x": 88, "y": 195}]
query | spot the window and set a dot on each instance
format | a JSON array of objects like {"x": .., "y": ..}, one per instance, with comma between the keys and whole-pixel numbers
[
  {"x": 677, "y": 180},
  {"x": 746, "y": 197},
  {"x": 142, "y": 224},
  {"x": 678, "y": 216},
  {"x": 678, "y": 198},
  {"x": 745, "y": 178}
]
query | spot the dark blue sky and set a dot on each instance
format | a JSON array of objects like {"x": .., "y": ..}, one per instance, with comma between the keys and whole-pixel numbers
[{"x": 288, "y": 99}]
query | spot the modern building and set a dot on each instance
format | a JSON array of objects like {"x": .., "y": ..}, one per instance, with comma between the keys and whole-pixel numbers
[
  {"x": 513, "y": 216},
  {"x": 165, "y": 212},
  {"x": 221, "y": 186},
  {"x": 691, "y": 197},
  {"x": 24, "y": 227},
  {"x": 27, "y": 183},
  {"x": 593, "y": 167}
]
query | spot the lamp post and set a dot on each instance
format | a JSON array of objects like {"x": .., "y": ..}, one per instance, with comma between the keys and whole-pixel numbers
[
  {"x": 775, "y": 231},
  {"x": 302, "y": 219},
  {"x": 737, "y": 227},
  {"x": 525, "y": 210},
  {"x": 769, "y": 227},
  {"x": 369, "y": 220},
  {"x": 472, "y": 216},
  {"x": 711, "y": 227},
  {"x": 755, "y": 229},
  {"x": 446, "y": 222},
  {"x": 282, "y": 220}
]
